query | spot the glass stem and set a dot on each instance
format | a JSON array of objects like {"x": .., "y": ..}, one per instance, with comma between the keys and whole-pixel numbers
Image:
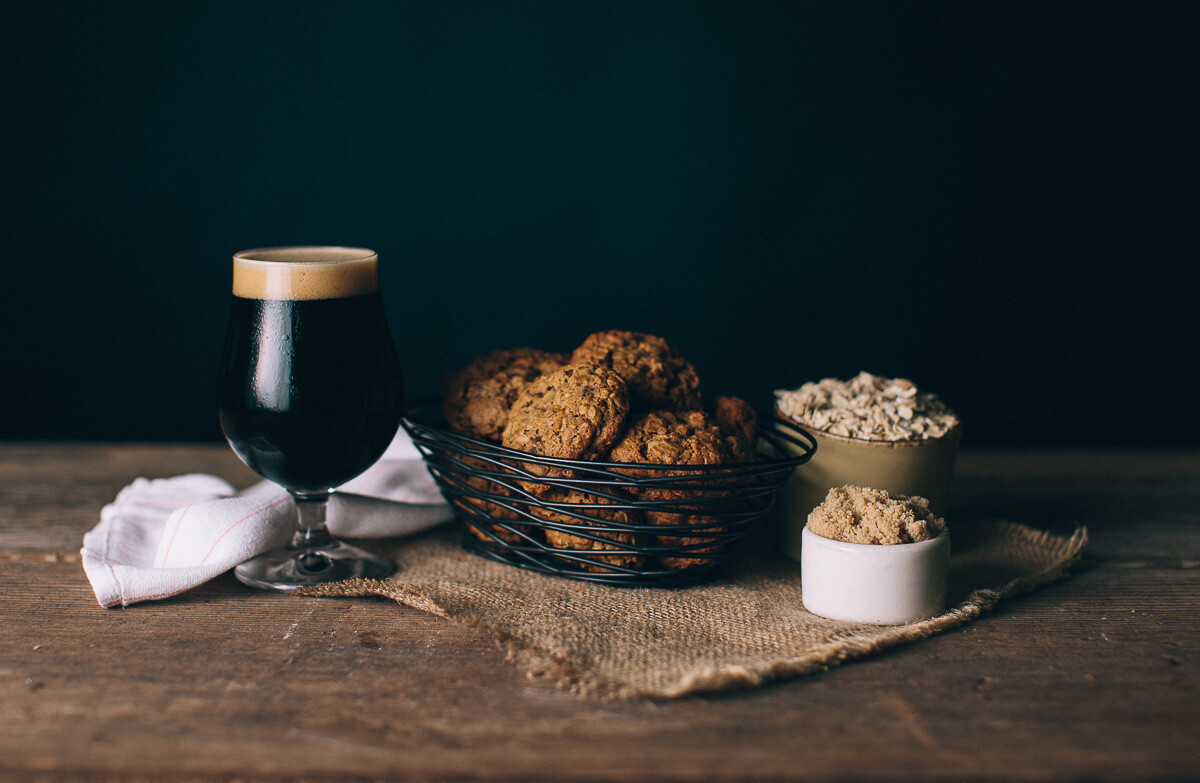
[{"x": 310, "y": 520}]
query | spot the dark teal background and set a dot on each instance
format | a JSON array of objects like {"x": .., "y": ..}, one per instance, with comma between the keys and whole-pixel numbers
[{"x": 997, "y": 200}]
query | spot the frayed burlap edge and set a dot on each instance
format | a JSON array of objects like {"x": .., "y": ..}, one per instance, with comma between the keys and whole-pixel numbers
[{"x": 559, "y": 665}]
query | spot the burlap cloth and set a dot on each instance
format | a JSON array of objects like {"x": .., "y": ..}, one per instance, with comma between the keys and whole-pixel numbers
[{"x": 746, "y": 629}]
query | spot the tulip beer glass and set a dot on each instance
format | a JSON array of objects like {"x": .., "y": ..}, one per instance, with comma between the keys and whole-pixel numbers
[{"x": 310, "y": 395}]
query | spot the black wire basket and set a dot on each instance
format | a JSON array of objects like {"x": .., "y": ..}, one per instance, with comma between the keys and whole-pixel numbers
[{"x": 615, "y": 523}]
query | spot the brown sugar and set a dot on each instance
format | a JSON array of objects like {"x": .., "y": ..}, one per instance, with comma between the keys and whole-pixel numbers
[{"x": 862, "y": 515}]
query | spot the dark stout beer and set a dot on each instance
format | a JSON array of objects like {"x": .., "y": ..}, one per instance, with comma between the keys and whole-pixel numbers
[{"x": 310, "y": 389}]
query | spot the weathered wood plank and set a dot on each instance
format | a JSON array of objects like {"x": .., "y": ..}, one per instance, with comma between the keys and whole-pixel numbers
[{"x": 51, "y": 493}]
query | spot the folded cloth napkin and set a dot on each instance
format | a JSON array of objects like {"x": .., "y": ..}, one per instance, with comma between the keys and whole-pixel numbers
[{"x": 163, "y": 536}]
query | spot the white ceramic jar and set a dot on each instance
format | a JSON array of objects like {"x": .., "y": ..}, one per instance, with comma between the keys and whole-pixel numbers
[{"x": 882, "y": 584}]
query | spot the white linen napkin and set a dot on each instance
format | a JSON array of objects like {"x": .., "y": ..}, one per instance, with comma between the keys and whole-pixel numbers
[{"x": 160, "y": 537}]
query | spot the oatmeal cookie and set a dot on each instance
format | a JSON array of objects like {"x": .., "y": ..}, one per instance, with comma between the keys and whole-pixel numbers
[
  {"x": 672, "y": 438},
  {"x": 679, "y": 438},
  {"x": 658, "y": 375},
  {"x": 477, "y": 397},
  {"x": 600, "y": 514},
  {"x": 574, "y": 412},
  {"x": 737, "y": 419}
]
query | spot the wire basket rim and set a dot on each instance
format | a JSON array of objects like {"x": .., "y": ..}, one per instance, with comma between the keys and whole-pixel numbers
[{"x": 755, "y": 466}]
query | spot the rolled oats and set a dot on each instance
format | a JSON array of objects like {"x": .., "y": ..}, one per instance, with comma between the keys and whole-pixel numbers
[{"x": 869, "y": 407}]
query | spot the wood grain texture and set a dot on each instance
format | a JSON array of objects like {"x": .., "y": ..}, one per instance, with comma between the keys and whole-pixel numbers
[{"x": 1093, "y": 677}]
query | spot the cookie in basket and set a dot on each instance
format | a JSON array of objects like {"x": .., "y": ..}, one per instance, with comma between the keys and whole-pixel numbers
[
  {"x": 738, "y": 419},
  {"x": 680, "y": 438},
  {"x": 665, "y": 437},
  {"x": 600, "y": 516},
  {"x": 503, "y": 517},
  {"x": 575, "y": 412},
  {"x": 477, "y": 397},
  {"x": 694, "y": 508},
  {"x": 658, "y": 375}
]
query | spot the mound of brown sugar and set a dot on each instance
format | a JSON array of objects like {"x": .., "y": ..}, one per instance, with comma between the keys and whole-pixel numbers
[{"x": 862, "y": 515}]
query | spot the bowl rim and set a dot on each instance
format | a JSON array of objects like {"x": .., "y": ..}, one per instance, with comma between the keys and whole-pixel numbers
[
  {"x": 955, "y": 429},
  {"x": 912, "y": 547}
]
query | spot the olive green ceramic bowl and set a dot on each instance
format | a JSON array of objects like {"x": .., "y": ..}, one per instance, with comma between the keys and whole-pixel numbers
[{"x": 907, "y": 467}]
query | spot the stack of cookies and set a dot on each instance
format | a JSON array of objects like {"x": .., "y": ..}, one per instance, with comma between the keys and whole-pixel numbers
[{"x": 620, "y": 397}]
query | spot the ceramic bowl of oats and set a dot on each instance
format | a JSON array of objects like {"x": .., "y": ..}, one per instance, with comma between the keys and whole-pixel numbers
[{"x": 871, "y": 431}]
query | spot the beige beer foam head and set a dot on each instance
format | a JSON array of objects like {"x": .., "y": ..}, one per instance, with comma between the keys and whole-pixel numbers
[{"x": 305, "y": 272}]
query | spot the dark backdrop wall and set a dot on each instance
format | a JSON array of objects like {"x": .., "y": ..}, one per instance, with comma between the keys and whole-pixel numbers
[{"x": 997, "y": 200}]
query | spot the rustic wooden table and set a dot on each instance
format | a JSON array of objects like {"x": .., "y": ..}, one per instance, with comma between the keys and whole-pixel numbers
[{"x": 1093, "y": 677}]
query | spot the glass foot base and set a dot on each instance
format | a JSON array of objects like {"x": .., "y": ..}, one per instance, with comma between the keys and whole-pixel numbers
[{"x": 291, "y": 568}]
